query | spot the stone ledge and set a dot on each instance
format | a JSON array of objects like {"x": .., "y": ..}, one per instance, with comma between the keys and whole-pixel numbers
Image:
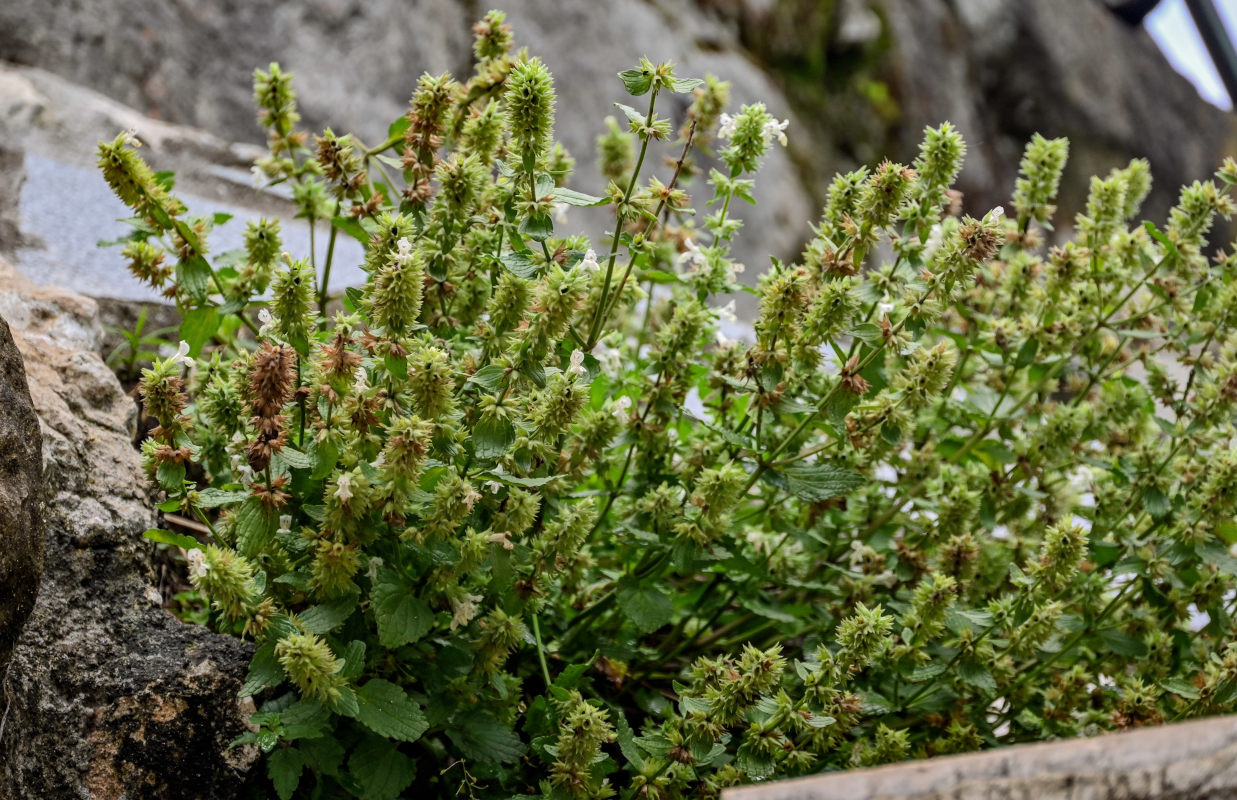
[{"x": 1194, "y": 760}]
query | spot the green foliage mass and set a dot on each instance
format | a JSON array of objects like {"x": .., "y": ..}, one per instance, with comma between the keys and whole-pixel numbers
[{"x": 519, "y": 519}]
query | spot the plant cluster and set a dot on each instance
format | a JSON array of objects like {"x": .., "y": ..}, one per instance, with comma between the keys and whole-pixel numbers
[{"x": 515, "y": 518}]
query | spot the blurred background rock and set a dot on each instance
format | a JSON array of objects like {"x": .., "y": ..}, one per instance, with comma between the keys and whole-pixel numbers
[{"x": 858, "y": 79}]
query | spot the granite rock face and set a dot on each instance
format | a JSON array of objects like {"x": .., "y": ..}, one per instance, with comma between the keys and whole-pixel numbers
[
  {"x": 21, "y": 496},
  {"x": 108, "y": 696}
]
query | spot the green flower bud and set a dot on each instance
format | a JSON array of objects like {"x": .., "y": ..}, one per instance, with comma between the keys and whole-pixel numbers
[
  {"x": 863, "y": 636},
  {"x": 500, "y": 634},
  {"x": 933, "y": 598},
  {"x": 275, "y": 99},
  {"x": 491, "y": 36},
  {"x": 311, "y": 665},
  {"x": 529, "y": 98},
  {"x": 482, "y": 133},
  {"x": 226, "y": 578},
  {"x": 393, "y": 298},
  {"x": 926, "y": 375},
  {"x": 334, "y": 566},
  {"x": 429, "y": 381},
  {"x": 940, "y": 160},
  {"x": 1035, "y": 193},
  {"x": 615, "y": 151},
  {"x": 292, "y": 302},
  {"x": 263, "y": 243}
]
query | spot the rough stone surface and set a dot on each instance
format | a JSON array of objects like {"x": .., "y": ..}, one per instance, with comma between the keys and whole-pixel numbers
[
  {"x": 1188, "y": 761},
  {"x": 21, "y": 494},
  {"x": 107, "y": 696}
]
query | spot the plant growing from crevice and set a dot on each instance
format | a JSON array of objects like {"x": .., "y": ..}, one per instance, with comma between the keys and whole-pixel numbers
[{"x": 519, "y": 520}]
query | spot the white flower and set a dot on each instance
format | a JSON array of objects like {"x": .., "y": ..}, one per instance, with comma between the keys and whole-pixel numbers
[
  {"x": 463, "y": 610},
  {"x": 130, "y": 138},
  {"x": 884, "y": 306},
  {"x": 935, "y": 237},
  {"x": 722, "y": 339},
  {"x": 501, "y": 539},
  {"x": 268, "y": 322},
  {"x": 735, "y": 269},
  {"x": 726, "y": 312},
  {"x": 360, "y": 381},
  {"x": 285, "y": 522},
  {"x": 776, "y": 130},
  {"x": 197, "y": 563},
  {"x": 621, "y": 407},
  {"x": 560, "y": 213},
  {"x": 182, "y": 355},
  {"x": 726, "y": 129},
  {"x": 577, "y": 363},
  {"x": 343, "y": 488},
  {"x": 403, "y": 252},
  {"x": 693, "y": 255},
  {"x": 257, "y": 177},
  {"x": 995, "y": 215},
  {"x": 494, "y": 486},
  {"x": 589, "y": 262},
  {"x": 371, "y": 569}
]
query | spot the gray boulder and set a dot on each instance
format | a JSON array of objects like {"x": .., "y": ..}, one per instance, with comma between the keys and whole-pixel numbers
[{"x": 107, "y": 695}]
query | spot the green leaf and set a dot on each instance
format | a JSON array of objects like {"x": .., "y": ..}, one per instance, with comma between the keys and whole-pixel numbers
[
  {"x": 866, "y": 332},
  {"x": 1123, "y": 644},
  {"x": 538, "y": 227},
  {"x": 1180, "y": 687},
  {"x": 168, "y": 537},
  {"x": 402, "y": 616},
  {"x": 397, "y": 128},
  {"x": 480, "y": 736},
  {"x": 1026, "y": 353},
  {"x": 284, "y": 767},
  {"x": 976, "y": 674},
  {"x": 326, "y": 617},
  {"x": 293, "y": 458},
  {"x": 382, "y": 770},
  {"x": 573, "y": 198},
  {"x": 637, "y": 81},
  {"x": 516, "y": 480},
  {"x": 264, "y": 671},
  {"x": 1156, "y": 502},
  {"x": 520, "y": 264},
  {"x": 198, "y": 326},
  {"x": 213, "y": 498},
  {"x": 645, "y": 605},
  {"x": 634, "y": 116},
  {"x": 820, "y": 481},
  {"x": 305, "y": 719},
  {"x": 352, "y": 228},
  {"x": 254, "y": 527},
  {"x": 491, "y": 378},
  {"x": 353, "y": 655},
  {"x": 685, "y": 85},
  {"x": 387, "y": 711},
  {"x": 193, "y": 275},
  {"x": 492, "y": 437}
]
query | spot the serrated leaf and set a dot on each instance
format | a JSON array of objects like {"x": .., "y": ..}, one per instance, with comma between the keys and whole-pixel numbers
[
  {"x": 193, "y": 275},
  {"x": 1180, "y": 687},
  {"x": 516, "y": 480},
  {"x": 573, "y": 198},
  {"x": 264, "y": 671},
  {"x": 821, "y": 481},
  {"x": 284, "y": 766},
  {"x": 387, "y": 711},
  {"x": 197, "y": 328},
  {"x": 402, "y": 616},
  {"x": 538, "y": 227},
  {"x": 520, "y": 264},
  {"x": 637, "y": 81},
  {"x": 326, "y": 617},
  {"x": 685, "y": 85},
  {"x": 382, "y": 770},
  {"x": 1123, "y": 644},
  {"x": 352, "y": 228},
  {"x": 492, "y": 437},
  {"x": 168, "y": 537},
  {"x": 480, "y": 736},
  {"x": 293, "y": 458},
  {"x": 633, "y": 115},
  {"x": 1026, "y": 353},
  {"x": 1156, "y": 502},
  {"x": 646, "y": 606},
  {"x": 254, "y": 527},
  {"x": 976, "y": 674},
  {"x": 213, "y": 498},
  {"x": 491, "y": 378}
]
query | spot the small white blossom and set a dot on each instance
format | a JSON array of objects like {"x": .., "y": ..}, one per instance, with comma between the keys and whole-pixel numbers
[
  {"x": 693, "y": 255},
  {"x": 371, "y": 569},
  {"x": 884, "y": 306},
  {"x": 268, "y": 322},
  {"x": 776, "y": 130},
  {"x": 726, "y": 312},
  {"x": 726, "y": 129},
  {"x": 577, "y": 363},
  {"x": 343, "y": 488},
  {"x": 995, "y": 214},
  {"x": 197, "y": 563},
  {"x": 494, "y": 486},
  {"x": 403, "y": 252},
  {"x": 621, "y": 407},
  {"x": 285, "y": 522},
  {"x": 130, "y": 138},
  {"x": 501, "y": 539},
  {"x": 589, "y": 262},
  {"x": 182, "y": 355},
  {"x": 560, "y": 213},
  {"x": 257, "y": 177},
  {"x": 722, "y": 339},
  {"x": 463, "y": 610},
  {"x": 360, "y": 382}
]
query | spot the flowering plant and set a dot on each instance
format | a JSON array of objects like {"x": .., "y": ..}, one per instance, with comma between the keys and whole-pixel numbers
[{"x": 517, "y": 519}]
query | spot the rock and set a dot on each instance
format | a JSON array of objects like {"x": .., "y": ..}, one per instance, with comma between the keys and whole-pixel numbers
[
  {"x": 108, "y": 695},
  {"x": 21, "y": 496},
  {"x": 1194, "y": 760}
]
